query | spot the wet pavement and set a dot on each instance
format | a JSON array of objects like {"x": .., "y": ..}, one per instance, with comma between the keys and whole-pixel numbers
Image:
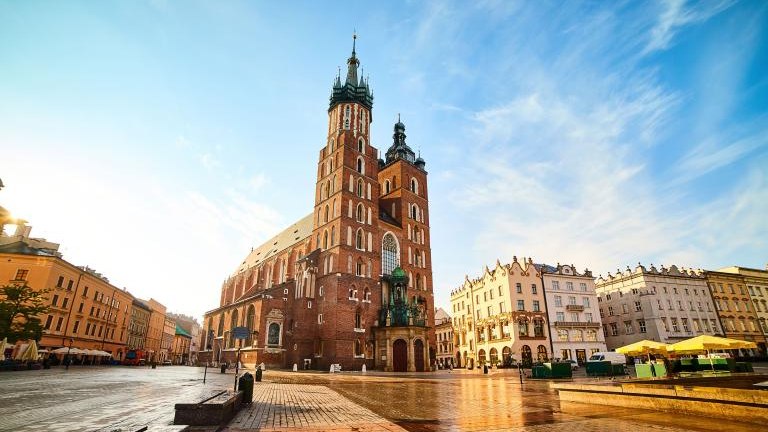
[
  {"x": 125, "y": 399},
  {"x": 87, "y": 398}
]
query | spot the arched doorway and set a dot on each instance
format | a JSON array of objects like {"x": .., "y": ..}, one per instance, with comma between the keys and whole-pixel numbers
[
  {"x": 400, "y": 356},
  {"x": 542, "y": 351},
  {"x": 418, "y": 355},
  {"x": 458, "y": 359},
  {"x": 506, "y": 356},
  {"x": 494, "y": 357},
  {"x": 527, "y": 356},
  {"x": 481, "y": 357}
]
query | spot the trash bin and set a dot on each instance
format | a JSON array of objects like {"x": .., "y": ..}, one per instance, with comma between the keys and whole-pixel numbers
[
  {"x": 245, "y": 384},
  {"x": 223, "y": 367},
  {"x": 258, "y": 374},
  {"x": 485, "y": 369}
]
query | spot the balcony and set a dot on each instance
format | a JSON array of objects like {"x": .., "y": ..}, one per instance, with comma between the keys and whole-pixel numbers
[
  {"x": 577, "y": 324},
  {"x": 574, "y": 308}
]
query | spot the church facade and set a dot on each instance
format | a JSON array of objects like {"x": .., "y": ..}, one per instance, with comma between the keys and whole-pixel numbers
[{"x": 350, "y": 283}]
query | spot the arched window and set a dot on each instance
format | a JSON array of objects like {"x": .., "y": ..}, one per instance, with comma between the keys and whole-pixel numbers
[
  {"x": 414, "y": 186},
  {"x": 390, "y": 254},
  {"x": 232, "y": 324},
  {"x": 333, "y": 236},
  {"x": 332, "y": 145},
  {"x": 367, "y": 295},
  {"x": 360, "y": 213},
  {"x": 273, "y": 335},
  {"x": 414, "y": 212},
  {"x": 359, "y": 268},
  {"x": 249, "y": 316},
  {"x": 386, "y": 187},
  {"x": 220, "y": 330},
  {"x": 358, "y": 320},
  {"x": 361, "y": 145},
  {"x": 347, "y": 114},
  {"x": 360, "y": 165},
  {"x": 325, "y": 239},
  {"x": 359, "y": 242},
  {"x": 358, "y": 348},
  {"x": 360, "y": 188},
  {"x": 418, "y": 282},
  {"x": 327, "y": 209}
]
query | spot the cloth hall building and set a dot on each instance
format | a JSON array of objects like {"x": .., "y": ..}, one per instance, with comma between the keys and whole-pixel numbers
[{"x": 350, "y": 283}]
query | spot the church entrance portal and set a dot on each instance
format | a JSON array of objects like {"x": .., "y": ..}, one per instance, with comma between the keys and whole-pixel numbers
[
  {"x": 418, "y": 355},
  {"x": 400, "y": 356}
]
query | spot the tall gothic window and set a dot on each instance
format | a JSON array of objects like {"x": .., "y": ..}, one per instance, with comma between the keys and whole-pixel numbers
[
  {"x": 359, "y": 242},
  {"x": 273, "y": 335},
  {"x": 360, "y": 166},
  {"x": 360, "y": 145},
  {"x": 360, "y": 188},
  {"x": 386, "y": 187},
  {"x": 390, "y": 255},
  {"x": 347, "y": 114},
  {"x": 360, "y": 213}
]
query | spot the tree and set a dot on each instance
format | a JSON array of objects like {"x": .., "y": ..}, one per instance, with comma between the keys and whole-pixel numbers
[{"x": 20, "y": 310}]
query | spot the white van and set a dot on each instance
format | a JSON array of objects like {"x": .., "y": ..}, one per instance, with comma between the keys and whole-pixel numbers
[{"x": 613, "y": 357}]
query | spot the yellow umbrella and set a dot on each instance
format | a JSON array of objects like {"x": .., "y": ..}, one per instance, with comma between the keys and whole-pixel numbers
[
  {"x": 706, "y": 343},
  {"x": 31, "y": 352},
  {"x": 643, "y": 347}
]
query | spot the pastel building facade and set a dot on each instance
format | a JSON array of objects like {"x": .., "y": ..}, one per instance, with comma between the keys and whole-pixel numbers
[
  {"x": 574, "y": 315},
  {"x": 500, "y": 317},
  {"x": 662, "y": 304}
]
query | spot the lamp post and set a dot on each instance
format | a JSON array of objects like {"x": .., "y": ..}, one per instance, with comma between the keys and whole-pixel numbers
[{"x": 67, "y": 360}]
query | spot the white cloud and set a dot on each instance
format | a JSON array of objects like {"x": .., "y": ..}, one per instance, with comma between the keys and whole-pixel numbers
[
  {"x": 714, "y": 154},
  {"x": 676, "y": 15}
]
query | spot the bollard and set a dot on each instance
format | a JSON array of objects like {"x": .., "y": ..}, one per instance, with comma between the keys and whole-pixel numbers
[
  {"x": 295, "y": 367},
  {"x": 245, "y": 384},
  {"x": 485, "y": 369},
  {"x": 331, "y": 370},
  {"x": 364, "y": 368},
  {"x": 258, "y": 374},
  {"x": 223, "y": 368}
]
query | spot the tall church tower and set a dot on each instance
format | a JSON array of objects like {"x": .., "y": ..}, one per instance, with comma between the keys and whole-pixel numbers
[{"x": 345, "y": 222}]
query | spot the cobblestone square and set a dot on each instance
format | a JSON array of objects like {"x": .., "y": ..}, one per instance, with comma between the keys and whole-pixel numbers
[{"x": 124, "y": 399}]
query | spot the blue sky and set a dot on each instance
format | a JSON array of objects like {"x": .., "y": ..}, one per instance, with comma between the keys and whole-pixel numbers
[{"x": 159, "y": 141}]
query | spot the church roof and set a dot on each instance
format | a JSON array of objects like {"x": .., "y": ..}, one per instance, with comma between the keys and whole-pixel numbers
[
  {"x": 441, "y": 315},
  {"x": 288, "y": 237}
]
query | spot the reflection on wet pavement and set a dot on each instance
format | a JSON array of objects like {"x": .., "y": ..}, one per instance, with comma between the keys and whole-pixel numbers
[{"x": 468, "y": 402}]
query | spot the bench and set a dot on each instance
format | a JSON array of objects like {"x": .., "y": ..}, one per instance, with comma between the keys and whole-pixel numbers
[{"x": 213, "y": 409}]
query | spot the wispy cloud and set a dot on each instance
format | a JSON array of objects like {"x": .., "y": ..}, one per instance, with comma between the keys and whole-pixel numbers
[
  {"x": 675, "y": 15},
  {"x": 713, "y": 154}
]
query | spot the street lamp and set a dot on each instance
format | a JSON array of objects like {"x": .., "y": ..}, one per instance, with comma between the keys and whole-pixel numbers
[{"x": 67, "y": 360}]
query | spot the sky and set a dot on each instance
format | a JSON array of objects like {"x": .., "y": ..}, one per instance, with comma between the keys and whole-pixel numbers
[{"x": 158, "y": 141}]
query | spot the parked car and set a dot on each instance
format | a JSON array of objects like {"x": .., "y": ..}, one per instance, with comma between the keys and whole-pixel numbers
[
  {"x": 167, "y": 363},
  {"x": 574, "y": 364},
  {"x": 613, "y": 357}
]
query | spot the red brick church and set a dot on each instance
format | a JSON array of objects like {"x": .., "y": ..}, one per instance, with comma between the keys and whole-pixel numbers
[{"x": 350, "y": 283}]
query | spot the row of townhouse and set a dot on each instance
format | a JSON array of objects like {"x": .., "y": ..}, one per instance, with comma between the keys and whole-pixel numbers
[
  {"x": 672, "y": 304},
  {"x": 525, "y": 312},
  {"x": 528, "y": 312},
  {"x": 85, "y": 310}
]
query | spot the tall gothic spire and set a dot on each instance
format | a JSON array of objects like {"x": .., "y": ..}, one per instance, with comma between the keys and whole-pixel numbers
[
  {"x": 353, "y": 63},
  {"x": 355, "y": 89}
]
